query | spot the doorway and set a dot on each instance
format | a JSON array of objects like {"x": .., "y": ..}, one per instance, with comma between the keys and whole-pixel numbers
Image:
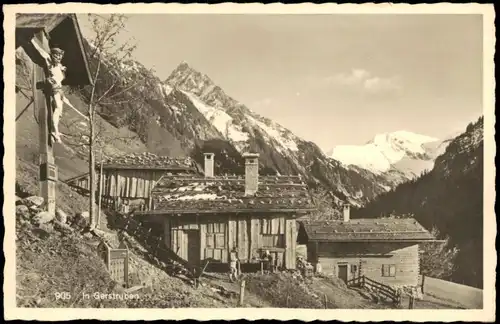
[
  {"x": 342, "y": 272},
  {"x": 193, "y": 246}
]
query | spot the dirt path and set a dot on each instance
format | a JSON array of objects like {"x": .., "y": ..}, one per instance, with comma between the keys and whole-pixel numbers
[
  {"x": 339, "y": 296},
  {"x": 453, "y": 294},
  {"x": 430, "y": 302},
  {"x": 221, "y": 280}
]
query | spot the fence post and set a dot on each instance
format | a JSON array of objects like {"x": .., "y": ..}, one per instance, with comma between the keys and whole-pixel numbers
[
  {"x": 326, "y": 301},
  {"x": 126, "y": 270},
  {"x": 423, "y": 281},
  {"x": 411, "y": 302},
  {"x": 242, "y": 293},
  {"x": 108, "y": 256}
]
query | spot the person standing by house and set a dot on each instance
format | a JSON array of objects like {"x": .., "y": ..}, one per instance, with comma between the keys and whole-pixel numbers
[
  {"x": 268, "y": 261},
  {"x": 233, "y": 265}
]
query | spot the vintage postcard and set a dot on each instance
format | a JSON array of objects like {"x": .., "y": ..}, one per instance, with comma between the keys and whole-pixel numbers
[{"x": 249, "y": 161}]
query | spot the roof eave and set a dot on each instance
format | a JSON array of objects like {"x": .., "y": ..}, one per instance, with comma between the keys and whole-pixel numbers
[
  {"x": 135, "y": 167},
  {"x": 374, "y": 240},
  {"x": 55, "y": 23},
  {"x": 224, "y": 211},
  {"x": 84, "y": 52}
]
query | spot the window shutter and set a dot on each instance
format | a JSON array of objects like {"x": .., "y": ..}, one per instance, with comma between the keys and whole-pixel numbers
[
  {"x": 210, "y": 241},
  {"x": 219, "y": 241}
]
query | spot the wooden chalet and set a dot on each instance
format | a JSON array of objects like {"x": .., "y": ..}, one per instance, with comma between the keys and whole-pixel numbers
[
  {"x": 384, "y": 250},
  {"x": 205, "y": 218},
  {"x": 129, "y": 179}
]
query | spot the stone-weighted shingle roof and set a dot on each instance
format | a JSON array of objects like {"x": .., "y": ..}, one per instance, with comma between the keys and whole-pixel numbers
[
  {"x": 148, "y": 161},
  {"x": 366, "y": 230},
  {"x": 194, "y": 194}
]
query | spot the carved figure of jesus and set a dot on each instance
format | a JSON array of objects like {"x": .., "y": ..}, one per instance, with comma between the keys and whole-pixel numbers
[{"x": 55, "y": 76}]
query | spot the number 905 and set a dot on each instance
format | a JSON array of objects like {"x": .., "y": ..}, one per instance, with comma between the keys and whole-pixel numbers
[{"x": 62, "y": 295}]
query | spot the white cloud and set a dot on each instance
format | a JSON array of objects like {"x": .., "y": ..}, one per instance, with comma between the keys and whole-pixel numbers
[{"x": 365, "y": 80}]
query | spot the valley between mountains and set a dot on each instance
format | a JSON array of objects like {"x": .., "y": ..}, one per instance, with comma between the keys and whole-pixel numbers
[{"x": 188, "y": 114}]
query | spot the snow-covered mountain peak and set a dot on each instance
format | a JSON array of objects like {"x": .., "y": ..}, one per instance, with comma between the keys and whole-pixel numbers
[
  {"x": 402, "y": 136},
  {"x": 234, "y": 121},
  {"x": 404, "y": 151}
]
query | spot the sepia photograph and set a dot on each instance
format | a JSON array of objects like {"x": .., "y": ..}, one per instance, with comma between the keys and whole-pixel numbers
[{"x": 259, "y": 160}]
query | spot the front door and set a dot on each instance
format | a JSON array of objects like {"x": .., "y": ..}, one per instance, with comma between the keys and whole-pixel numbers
[
  {"x": 342, "y": 272},
  {"x": 193, "y": 247}
]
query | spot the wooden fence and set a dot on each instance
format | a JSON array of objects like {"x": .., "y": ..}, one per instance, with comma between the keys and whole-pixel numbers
[
  {"x": 382, "y": 289},
  {"x": 117, "y": 262}
]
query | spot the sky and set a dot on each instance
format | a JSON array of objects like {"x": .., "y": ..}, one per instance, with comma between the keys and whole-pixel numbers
[{"x": 334, "y": 79}]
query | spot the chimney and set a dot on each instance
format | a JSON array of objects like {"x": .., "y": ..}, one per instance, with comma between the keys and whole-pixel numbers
[
  {"x": 251, "y": 173},
  {"x": 346, "y": 212},
  {"x": 209, "y": 165}
]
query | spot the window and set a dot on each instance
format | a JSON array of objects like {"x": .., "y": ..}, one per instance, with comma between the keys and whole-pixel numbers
[
  {"x": 215, "y": 244},
  {"x": 354, "y": 268},
  {"x": 272, "y": 231},
  {"x": 272, "y": 226},
  {"x": 388, "y": 270},
  {"x": 216, "y": 235}
]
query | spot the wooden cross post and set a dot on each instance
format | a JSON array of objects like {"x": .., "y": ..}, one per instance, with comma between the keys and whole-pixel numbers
[
  {"x": 242, "y": 293},
  {"x": 42, "y": 102}
]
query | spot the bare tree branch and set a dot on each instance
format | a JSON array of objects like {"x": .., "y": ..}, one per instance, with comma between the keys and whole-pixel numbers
[{"x": 109, "y": 89}]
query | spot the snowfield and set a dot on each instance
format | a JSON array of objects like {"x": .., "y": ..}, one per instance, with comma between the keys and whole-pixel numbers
[
  {"x": 233, "y": 132},
  {"x": 385, "y": 150},
  {"x": 276, "y": 132},
  {"x": 221, "y": 121}
]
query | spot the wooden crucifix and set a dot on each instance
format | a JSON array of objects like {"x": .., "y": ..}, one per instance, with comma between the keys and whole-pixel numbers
[
  {"x": 33, "y": 32},
  {"x": 44, "y": 101}
]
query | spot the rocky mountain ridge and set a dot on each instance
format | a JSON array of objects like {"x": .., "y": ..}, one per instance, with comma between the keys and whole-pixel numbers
[{"x": 280, "y": 150}]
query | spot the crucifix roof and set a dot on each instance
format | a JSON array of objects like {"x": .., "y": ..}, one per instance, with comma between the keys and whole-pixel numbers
[{"x": 64, "y": 32}]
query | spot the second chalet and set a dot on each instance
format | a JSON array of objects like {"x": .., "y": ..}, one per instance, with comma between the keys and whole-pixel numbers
[
  {"x": 207, "y": 217},
  {"x": 382, "y": 249},
  {"x": 129, "y": 179}
]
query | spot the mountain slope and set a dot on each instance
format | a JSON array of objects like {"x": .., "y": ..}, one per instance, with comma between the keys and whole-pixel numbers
[
  {"x": 280, "y": 150},
  {"x": 189, "y": 113},
  {"x": 449, "y": 197},
  {"x": 70, "y": 159},
  {"x": 402, "y": 154}
]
